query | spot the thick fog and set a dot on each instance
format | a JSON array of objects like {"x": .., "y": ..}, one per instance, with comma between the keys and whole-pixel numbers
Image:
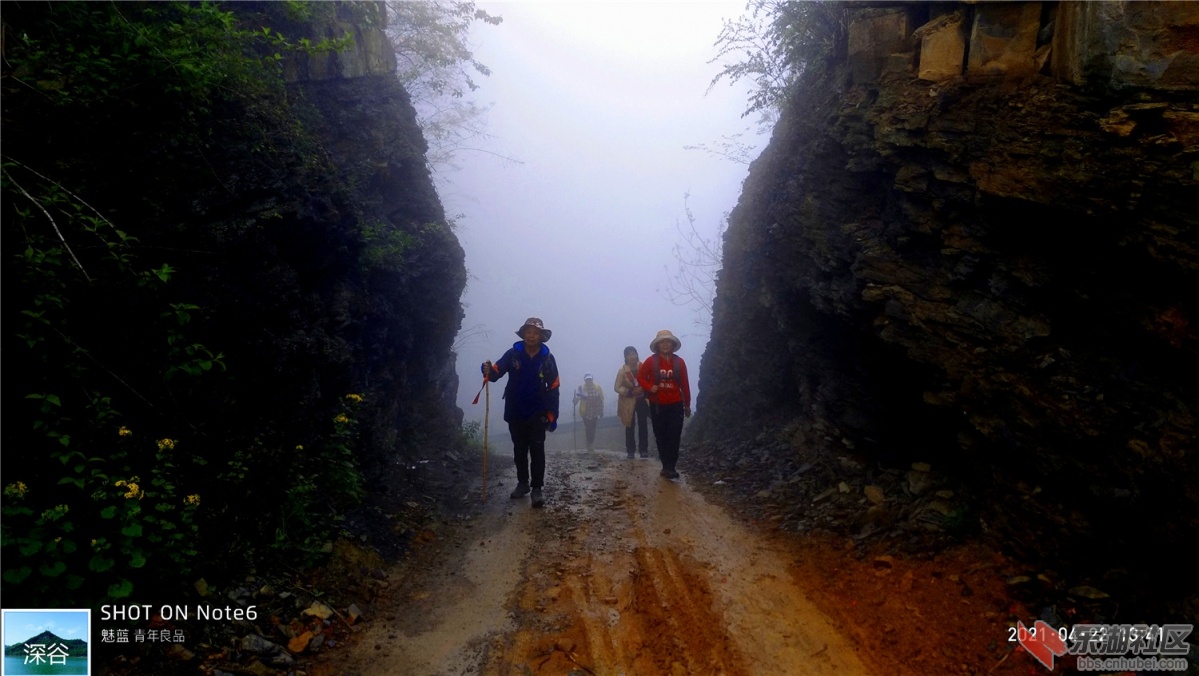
[{"x": 596, "y": 102}]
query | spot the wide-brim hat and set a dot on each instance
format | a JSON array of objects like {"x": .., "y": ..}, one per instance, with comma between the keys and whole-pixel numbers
[
  {"x": 665, "y": 335},
  {"x": 534, "y": 321},
  {"x": 588, "y": 376}
]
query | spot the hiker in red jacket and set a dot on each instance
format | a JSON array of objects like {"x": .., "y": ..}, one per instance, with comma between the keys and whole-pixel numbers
[{"x": 663, "y": 376}]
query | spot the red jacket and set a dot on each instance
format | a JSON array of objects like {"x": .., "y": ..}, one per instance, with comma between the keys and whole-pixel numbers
[{"x": 673, "y": 386}]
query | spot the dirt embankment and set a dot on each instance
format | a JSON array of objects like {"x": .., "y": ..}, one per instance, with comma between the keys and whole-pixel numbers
[{"x": 624, "y": 572}]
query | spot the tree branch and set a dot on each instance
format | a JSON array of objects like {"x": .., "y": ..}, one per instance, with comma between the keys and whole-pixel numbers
[{"x": 53, "y": 224}]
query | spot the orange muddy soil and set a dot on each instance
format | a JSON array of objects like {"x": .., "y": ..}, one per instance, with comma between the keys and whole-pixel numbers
[{"x": 624, "y": 572}]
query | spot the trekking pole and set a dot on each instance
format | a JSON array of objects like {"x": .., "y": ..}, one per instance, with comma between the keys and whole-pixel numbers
[
  {"x": 486, "y": 420},
  {"x": 486, "y": 417},
  {"x": 574, "y": 425}
]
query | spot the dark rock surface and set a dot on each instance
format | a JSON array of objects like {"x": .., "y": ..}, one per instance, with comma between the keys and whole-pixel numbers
[{"x": 998, "y": 281}]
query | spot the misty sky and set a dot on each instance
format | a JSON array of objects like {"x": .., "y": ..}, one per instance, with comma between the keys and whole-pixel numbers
[{"x": 597, "y": 101}]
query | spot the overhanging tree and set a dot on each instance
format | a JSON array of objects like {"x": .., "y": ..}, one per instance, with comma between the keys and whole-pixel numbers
[
  {"x": 773, "y": 44},
  {"x": 438, "y": 68}
]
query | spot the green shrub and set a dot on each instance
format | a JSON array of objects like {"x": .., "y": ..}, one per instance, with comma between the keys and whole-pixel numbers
[{"x": 121, "y": 461}]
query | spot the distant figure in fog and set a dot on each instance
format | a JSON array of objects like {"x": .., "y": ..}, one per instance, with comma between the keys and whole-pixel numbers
[
  {"x": 632, "y": 406},
  {"x": 664, "y": 376},
  {"x": 590, "y": 398},
  {"x": 530, "y": 403}
]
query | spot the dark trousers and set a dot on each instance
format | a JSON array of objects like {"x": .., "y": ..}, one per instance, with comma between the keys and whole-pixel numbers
[
  {"x": 640, "y": 420},
  {"x": 668, "y": 431},
  {"x": 528, "y": 447},
  {"x": 589, "y": 425}
]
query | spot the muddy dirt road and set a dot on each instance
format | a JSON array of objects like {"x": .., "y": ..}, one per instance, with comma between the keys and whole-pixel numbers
[{"x": 622, "y": 572}]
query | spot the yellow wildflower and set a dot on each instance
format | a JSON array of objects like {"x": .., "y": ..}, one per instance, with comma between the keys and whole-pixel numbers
[
  {"x": 299, "y": 447},
  {"x": 120, "y": 482},
  {"x": 341, "y": 419},
  {"x": 133, "y": 492},
  {"x": 124, "y": 431},
  {"x": 192, "y": 500},
  {"x": 356, "y": 398},
  {"x": 166, "y": 444},
  {"x": 93, "y": 542},
  {"x": 17, "y": 490}
]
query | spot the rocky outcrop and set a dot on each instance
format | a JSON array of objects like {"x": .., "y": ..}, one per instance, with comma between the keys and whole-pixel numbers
[
  {"x": 1116, "y": 45},
  {"x": 406, "y": 321},
  {"x": 369, "y": 53},
  {"x": 361, "y": 288},
  {"x": 1096, "y": 45},
  {"x": 997, "y": 278}
]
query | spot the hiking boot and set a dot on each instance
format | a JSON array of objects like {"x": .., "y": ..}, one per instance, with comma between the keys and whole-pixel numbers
[
  {"x": 538, "y": 499},
  {"x": 521, "y": 490},
  {"x": 644, "y": 456},
  {"x": 631, "y": 456},
  {"x": 671, "y": 474}
]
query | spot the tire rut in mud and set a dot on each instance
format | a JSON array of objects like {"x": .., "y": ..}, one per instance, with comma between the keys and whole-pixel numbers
[
  {"x": 614, "y": 585},
  {"x": 622, "y": 572}
]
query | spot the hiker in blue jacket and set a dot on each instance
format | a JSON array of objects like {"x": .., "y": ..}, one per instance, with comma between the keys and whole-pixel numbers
[{"x": 530, "y": 403}]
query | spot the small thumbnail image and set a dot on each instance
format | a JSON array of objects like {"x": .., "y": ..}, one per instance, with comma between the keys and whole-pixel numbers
[{"x": 49, "y": 641}]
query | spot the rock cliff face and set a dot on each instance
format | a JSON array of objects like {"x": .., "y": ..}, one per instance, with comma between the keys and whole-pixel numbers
[
  {"x": 405, "y": 324},
  {"x": 344, "y": 277},
  {"x": 998, "y": 277},
  {"x": 260, "y": 272}
]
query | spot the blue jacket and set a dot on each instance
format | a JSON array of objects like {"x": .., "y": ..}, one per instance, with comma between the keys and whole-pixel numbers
[{"x": 532, "y": 388}]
